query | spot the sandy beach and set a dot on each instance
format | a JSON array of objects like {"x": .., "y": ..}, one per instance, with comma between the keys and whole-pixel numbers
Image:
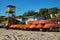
[{"x": 27, "y": 35}]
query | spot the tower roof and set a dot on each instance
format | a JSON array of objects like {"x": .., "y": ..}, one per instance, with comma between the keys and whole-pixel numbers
[{"x": 11, "y": 6}]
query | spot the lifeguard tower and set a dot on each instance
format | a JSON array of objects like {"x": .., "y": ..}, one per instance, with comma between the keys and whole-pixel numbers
[
  {"x": 10, "y": 10},
  {"x": 11, "y": 15}
]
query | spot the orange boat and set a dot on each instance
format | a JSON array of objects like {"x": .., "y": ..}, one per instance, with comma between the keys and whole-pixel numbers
[
  {"x": 50, "y": 26},
  {"x": 56, "y": 26},
  {"x": 13, "y": 26},
  {"x": 32, "y": 26},
  {"x": 39, "y": 26},
  {"x": 22, "y": 26},
  {"x": 35, "y": 22},
  {"x": 43, "y": 21},
  {"x": 30, "y": 22},
  {"x": 19, "y": 26},
  {"x": 26, "y": 26},
  {"x": 47, "y": 26}
]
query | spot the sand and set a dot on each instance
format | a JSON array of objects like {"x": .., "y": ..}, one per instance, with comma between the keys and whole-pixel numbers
[{"x": 27, "y": 35}]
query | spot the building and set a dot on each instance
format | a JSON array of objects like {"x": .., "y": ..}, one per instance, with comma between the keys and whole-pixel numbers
[
  {"x": 31, "y": 18},
  {"x": 54, "y": 15},
  {"x": 58, "y": 21}
]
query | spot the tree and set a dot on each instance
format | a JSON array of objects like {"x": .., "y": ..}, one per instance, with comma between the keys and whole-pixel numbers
[
  {"x": 43, "y": 11},
  {"x": 20, "y": 16},
  {"x": 53, "y": 11},
  {"x": 2, "y": 18},
  {"x": 29, "y": 13},
  {"x": 36, "y": 14},
  {"x": 58, "y": 10}
]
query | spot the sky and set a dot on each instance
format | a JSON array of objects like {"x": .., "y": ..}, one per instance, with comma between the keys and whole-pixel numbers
[{"x": 23, "y": 6}]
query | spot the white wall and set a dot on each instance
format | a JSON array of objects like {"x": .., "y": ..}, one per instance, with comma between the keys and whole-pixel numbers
[
  {"x": 29, "y": 19},
  {"x": 58, "y": 22},
  {"x": 51, "y": 15},
  {"x": 57, "y": 14},
  {"x": 19, "y": 19}
]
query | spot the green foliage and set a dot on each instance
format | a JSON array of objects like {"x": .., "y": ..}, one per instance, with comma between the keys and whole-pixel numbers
[
  {"x": 29, "y": 13},
  {"x": 53, "y": 10},
  {"x": 1, "y": 18},
  {"x": 20, "y": 16},
  {"x": 43, "y": 11}
]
